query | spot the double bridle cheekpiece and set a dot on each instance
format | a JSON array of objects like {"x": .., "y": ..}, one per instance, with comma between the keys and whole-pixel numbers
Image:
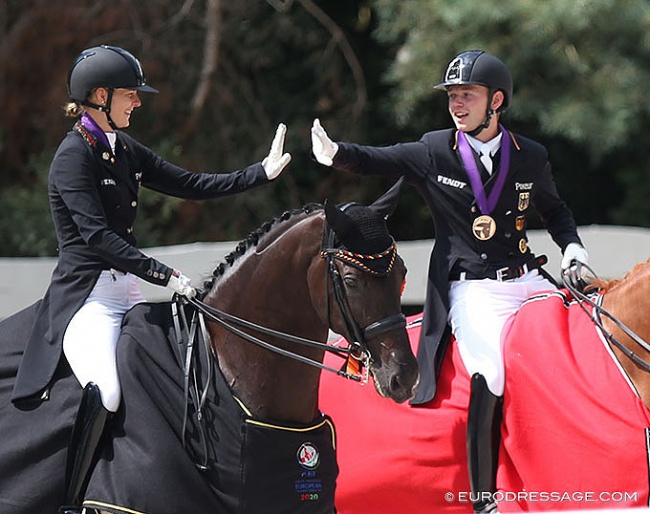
[{"x": 357, "y": 351}]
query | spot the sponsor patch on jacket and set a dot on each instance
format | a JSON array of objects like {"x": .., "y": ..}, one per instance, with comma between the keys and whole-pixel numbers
[
  {"x": 523, "y": 186},
  {"x": 107, "y": 182},
  {"x": 451, "y": 182}
]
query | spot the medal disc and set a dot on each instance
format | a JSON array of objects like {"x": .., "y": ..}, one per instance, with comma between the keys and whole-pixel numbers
[{"x": 484, "y": 227}]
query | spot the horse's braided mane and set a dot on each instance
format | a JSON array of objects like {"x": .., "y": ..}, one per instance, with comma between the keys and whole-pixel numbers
[
  {"x": 602, "y": 285},
  {"x": 253, "y": 239}
]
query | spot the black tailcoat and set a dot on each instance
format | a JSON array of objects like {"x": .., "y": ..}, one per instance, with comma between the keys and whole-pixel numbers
[
  {"x": 93, "y": 196},
  {"x": 434, "y": 166}
]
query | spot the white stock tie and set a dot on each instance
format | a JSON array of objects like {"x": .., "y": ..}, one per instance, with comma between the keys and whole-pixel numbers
[{"x": 486, "y": 159}]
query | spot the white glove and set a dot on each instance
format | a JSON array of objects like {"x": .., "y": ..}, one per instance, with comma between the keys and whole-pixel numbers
[
  {"x": 180, "y": 284},
  {"x": 572, "y": 252},
  {"x": 276, "y": 161},
  {"x": 323, "y": 148}
]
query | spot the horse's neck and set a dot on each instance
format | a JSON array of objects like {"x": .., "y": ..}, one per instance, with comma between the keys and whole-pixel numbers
[
  {"x": 627, "y": 302},
  {"x": 270, "y": 288}
]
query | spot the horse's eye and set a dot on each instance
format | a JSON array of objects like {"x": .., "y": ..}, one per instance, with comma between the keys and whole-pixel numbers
[{"x": 350, "y": 281}]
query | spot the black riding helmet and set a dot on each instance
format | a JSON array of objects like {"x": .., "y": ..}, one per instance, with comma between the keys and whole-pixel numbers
[
  {"x": 105, "y": 66},
  {"x": 478, "y": 67}
]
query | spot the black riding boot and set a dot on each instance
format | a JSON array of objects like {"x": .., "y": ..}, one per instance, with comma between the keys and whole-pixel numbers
[
  {"x": 483, "y": 439},
  {"x": 86, "y": 434}
]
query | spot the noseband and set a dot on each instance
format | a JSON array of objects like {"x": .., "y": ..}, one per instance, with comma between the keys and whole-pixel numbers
[{"x": 355, "y": 335}]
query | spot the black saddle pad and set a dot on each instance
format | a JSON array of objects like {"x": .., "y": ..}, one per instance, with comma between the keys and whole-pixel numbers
[
  {"x": 150, "y": 464},
  {"x": 34, "y": 440}
]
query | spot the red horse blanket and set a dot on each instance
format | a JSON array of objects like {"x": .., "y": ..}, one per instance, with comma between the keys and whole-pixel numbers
[{"x": 575, "y": 433}]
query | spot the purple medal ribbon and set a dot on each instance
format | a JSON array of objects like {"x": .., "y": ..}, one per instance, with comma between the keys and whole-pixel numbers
[
  {"x": 91, "y": 126},
  {"x": 485, "y": 204}
]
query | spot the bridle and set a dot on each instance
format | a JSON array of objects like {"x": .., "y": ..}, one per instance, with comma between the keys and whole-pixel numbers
[
  {"x": 355, "y": 335},
  {"x": 356, "y": 353},
  {"x": 570, "y": 282}
]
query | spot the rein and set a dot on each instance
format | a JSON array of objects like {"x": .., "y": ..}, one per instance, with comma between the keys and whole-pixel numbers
[
  {"x": 191, "y": 380},
  {"x": 230, "y": 323},
  {"x": 355, "y": 335},
  {"x": 570, "y": 283}
]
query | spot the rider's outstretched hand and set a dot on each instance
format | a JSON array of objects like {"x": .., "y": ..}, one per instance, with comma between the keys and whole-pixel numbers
[
  {"x": 276, "y": 161},
  {"x": 323, "y": 148}
]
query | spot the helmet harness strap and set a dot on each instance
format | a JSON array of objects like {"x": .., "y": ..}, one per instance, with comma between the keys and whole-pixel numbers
[
  {"x": 104, "y": 108},
  {"x": 488, "y": 116}
]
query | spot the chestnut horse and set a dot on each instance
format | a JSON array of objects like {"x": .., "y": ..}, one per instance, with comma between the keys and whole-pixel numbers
[
  {"x": 576, "y": 424},
  {"x": 220, "y": 405}
]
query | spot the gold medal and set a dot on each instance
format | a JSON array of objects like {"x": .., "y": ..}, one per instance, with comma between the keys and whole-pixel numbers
[{"x": 484, "y": 227}]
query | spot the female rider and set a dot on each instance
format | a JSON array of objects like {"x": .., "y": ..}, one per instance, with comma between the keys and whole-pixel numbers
[{"x": 94, "y": 180}]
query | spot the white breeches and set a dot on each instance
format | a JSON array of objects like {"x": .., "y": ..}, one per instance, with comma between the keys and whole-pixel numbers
[
  {"x": 478, "y": 311},
  {"x": 90, "y": 339}
]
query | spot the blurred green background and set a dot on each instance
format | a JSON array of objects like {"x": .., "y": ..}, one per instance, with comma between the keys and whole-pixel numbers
[{"x": 229, "y": 71}]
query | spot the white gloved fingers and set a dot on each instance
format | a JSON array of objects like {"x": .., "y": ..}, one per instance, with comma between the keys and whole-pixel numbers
[
  {"x": 572, "y": 252},
  {"x": 277, "y": 146},
  {"x": 323, "y": 148},
  {"x": 180, "y": 284},
  {"x": 276, "y": 161}
]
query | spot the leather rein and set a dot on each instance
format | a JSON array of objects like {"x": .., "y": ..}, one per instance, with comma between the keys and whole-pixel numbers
[
  {"x": 572, "y": 284},
  {"x": 355, "y": 335}
]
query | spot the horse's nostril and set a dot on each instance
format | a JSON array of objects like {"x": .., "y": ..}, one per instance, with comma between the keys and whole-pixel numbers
[{"x": 395, "y": 383}]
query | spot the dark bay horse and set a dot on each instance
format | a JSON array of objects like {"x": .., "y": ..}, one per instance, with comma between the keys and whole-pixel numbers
[
  {"x": 576, "y": 426},
  {"x": 212, "y": 420}
]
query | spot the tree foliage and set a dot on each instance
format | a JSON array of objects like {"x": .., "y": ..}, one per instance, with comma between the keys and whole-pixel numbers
[
  {"x": 229, "y": 71},
  {"x": 580, "y": 79}
]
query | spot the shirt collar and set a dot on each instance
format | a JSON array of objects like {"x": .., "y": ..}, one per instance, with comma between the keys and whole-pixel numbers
[{"x": 493, "y": 144}]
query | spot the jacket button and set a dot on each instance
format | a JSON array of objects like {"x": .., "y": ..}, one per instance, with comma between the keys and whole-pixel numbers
[
  {"x": 134, "y": 203},
  {"x": 484, "y": 256}
]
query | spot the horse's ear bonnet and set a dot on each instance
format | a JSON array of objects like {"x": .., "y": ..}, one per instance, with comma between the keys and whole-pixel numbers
[{"x": 362, "y": 231}]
